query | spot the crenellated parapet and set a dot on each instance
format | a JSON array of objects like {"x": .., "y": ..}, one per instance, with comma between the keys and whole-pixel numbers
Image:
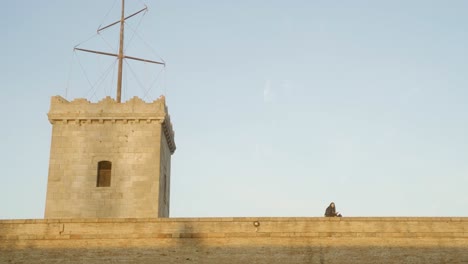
[
  {"x": 106, "y": 109},
  {"x": 81, "y": 111}
]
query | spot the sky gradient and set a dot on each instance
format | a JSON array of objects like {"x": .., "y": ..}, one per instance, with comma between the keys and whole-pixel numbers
[{"x": 279, "y": 107}]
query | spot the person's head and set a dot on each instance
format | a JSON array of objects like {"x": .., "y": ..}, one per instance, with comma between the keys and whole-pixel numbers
[{"x": 332, "y": 205}]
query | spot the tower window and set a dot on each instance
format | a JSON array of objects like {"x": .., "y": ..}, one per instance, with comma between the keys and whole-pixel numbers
[
  {"x": 165, "y": 188},
  {"x": 104, "y": 174}
]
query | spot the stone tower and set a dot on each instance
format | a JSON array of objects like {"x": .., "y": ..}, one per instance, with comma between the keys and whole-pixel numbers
[{"x": 109, "y": 159}]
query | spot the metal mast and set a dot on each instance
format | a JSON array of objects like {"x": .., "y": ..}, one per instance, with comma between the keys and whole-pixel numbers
[{"x": 121, "y": 56}]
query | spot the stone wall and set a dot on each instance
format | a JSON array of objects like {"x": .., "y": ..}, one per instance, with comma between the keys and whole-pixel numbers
[
  {"x": 235, "y": 240},
  {"x": 164, "y": 179},
  {"x": 132, "y": 136}
]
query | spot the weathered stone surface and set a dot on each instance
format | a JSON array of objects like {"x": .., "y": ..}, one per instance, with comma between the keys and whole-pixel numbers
[
  {"x": 235, "y": 240},
  {"x": 138, "y": 139}
]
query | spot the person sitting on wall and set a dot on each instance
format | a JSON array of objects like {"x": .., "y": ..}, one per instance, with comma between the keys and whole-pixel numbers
[{"x": 331, "y": 211}]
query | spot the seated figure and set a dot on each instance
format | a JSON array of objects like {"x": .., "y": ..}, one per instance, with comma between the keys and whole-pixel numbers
[{"x": 331, "y": 211}]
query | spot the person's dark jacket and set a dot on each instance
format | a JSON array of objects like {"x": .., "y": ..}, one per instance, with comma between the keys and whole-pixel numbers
[{"x": 330, "y": 212}]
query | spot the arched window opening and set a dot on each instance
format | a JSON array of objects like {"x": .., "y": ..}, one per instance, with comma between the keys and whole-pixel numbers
[{"x": 104, "y": 174}]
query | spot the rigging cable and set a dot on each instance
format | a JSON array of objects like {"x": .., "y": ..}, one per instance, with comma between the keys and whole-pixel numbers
[
  {"x": 69, "y": 75},
  {"x": 133, "y": 30},
  {"x": 136, "y": 77},
  {"x": 143, "y": 3},
  {"x": 152, "y": 84},
  {"x": 147, "y": 44},
  {"x": 113, "y": 84},
  {"x": 108, "y": 12},
  {"x": 164, "y": 82},
  {"x": 84, "y": 72},
  {"x": 124, "y": 90},
  {"x": 147, "y": 90},
  {"x": 99, "y": 81},
  {"x": 107, "y": 42},
  {"x": 88, "y": 39},
  {"x": 103, "y": 77}
]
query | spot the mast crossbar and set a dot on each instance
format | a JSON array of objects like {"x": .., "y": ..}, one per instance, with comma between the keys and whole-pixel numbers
[
  {"x": 97, "y": 52},
  {"x": 117, "y": 22},
  {"x": 116, "y": 55}
]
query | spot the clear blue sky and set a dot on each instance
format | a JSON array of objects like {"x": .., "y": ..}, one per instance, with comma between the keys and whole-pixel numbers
[{"x": 279, "y": 107}]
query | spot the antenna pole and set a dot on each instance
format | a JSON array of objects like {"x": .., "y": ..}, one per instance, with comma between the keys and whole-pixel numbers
[{"x": 121, "y": 55}]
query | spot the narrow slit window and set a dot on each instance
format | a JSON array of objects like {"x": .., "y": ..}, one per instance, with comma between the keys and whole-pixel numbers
[
  {"x": 165, "y": 188},
  {"x": 104, "y": 174}
]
